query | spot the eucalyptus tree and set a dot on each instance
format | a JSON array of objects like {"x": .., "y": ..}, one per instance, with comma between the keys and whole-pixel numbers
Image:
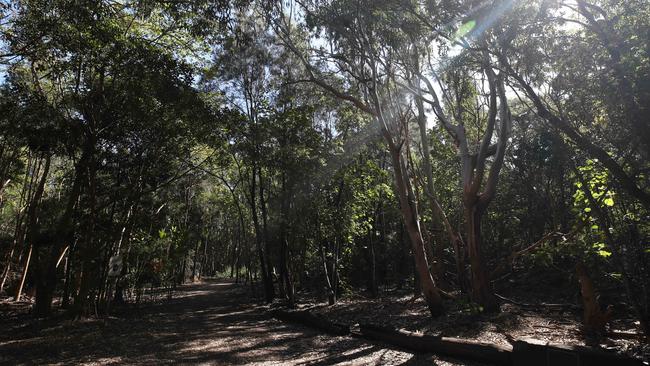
[
  {"x": 477, "y": 119},
  {"x": 385, "y": 52},
  {"x": 365, "y": 50}
]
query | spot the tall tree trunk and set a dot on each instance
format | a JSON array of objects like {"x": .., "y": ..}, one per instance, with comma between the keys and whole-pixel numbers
[
  {"x": 32, "y": 221},
  {"x": 439, "y": 216},
  {"x": 331, "y": 294},
  {"x": 266, "y": 270},
  {"x": 372, "y": 268},
  {"x": 233, "y": 260},
  {"x": 481, "y": 290},
  {"x": 408, "y": 208},
  {"x": 285, "y": 273},
  {"x": 46, "y": 267},
  {"x": 265, "y": 228},
  {"x": 89, "y": 248},
  {"x": 194, "y": 260}
]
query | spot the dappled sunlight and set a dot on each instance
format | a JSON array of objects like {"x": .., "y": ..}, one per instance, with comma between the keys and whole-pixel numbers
[
  {"x": 211, "y": 323},
  {"x": 292, "y": 182}
]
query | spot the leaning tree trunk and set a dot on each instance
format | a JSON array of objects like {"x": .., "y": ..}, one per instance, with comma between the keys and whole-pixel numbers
[
  {"x": 439, "y": 216},
  {"x": 408, "y": 208}
]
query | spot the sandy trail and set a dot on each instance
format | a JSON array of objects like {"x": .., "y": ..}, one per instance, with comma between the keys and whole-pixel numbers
[{"x": 211, "y": 323}]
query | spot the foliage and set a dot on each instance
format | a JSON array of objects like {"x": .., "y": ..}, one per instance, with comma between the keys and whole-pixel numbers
[{"x": 265, "y": 140}]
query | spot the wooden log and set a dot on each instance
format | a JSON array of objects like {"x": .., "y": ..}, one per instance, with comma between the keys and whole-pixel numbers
[
  {"x": 524, "y": 353},
  {"x": 454, "y": 347},
  {"x": 540, "y": 354},
  {"x": 312, "y": 320}
]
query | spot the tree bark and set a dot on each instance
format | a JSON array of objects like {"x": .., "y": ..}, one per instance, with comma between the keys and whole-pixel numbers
[
  {"x": 265, "y": 228},
  {"x": 262, "y": 251},
  {"x": 408, "y": 208},
  {"x": 372, "y": 267},
  {"x": 439, "y": 215},
  {"x": 46, "y": 267},
  {"x": 482, "y": 292},
  {"x": 32, "y": 221},
  {"x": 285, "y": 273},
  {"x": 89, "y": 246}
]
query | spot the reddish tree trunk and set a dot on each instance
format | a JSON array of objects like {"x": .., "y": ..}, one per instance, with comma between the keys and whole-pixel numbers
[{"x": 482, "y": 292}]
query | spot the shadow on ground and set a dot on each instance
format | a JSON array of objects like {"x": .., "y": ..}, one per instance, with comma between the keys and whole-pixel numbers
[{"x": 209, "y": 323}]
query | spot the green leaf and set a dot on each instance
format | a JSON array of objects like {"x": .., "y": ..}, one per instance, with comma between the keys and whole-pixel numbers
[
  {"x": 587, "y": 209},
  {"x": 609, "y": 201},
  {"x": 604, "y": 253},
  {"x": 465, "y": 28}
]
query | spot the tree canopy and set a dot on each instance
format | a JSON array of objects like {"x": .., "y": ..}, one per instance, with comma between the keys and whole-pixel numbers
[{"x": 325, "y": 148}]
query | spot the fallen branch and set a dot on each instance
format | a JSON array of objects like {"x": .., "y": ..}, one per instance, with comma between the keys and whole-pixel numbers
[
  {"x": 536, "y": 306},
  {"x": 619, "y": 334}
]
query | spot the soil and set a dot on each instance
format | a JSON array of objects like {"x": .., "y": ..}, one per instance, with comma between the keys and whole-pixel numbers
[
  {"x": 539, "y": 323},
  {"x": 211, "y": 323}
]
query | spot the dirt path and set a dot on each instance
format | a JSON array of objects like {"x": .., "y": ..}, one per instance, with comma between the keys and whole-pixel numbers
[{"x": 211, "y": 323}]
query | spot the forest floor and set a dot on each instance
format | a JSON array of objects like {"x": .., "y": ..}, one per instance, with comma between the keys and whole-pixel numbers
[
  {"x": 213, "y": 323},
  {"x": 527, "y": 318}
]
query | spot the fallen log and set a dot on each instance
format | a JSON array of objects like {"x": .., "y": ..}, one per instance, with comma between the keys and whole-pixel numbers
[
  {"x": 454, "y": 347},
  {"x": 522, "y": 353},
  {"x": 531, "y": 353},
  {"x": 541, "y": 354},
  {"x": 316, "y": 321}
]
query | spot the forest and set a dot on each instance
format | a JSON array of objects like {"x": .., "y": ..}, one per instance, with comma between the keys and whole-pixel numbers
[{"x": 459, "y": 171}]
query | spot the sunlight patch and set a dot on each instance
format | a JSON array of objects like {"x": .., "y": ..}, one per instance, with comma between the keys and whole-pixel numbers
[{"x": 464, "y": 29}]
